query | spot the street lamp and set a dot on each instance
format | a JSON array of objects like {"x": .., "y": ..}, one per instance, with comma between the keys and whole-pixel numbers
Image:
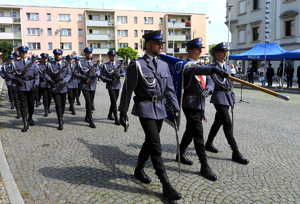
[
  {"x": 173, "y": 20},
  {"x": 228, "y": 6}
]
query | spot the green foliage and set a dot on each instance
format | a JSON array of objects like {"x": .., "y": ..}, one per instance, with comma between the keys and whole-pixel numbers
[
  {"x": 212, "y": 54},
  {"x": 6, "y": 47},
  {"x": 127, "y": 53}
]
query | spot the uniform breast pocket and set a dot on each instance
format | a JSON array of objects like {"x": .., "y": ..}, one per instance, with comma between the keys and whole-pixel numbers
[
  {"x": 149, "y": 77},
  {"x": 164, "y": 77}
]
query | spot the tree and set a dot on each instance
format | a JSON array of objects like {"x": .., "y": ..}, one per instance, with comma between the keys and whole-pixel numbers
[
  {"x": 212, "y": 54},
  {"x": 127, "y": 53},
  {"x": 6, "y": 47}
]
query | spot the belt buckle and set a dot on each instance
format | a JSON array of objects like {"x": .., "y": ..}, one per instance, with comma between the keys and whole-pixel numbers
[{"x": 154, "y": 98}]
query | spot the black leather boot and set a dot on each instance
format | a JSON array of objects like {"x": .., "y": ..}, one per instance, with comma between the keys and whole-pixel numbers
[
  {"x": 205, "y": 170},
  {"x": 18, "y": 113},
  {"x": 73, "y": 110},
  {"x": 238, "y": 157},
  {"x": 168, "y": 191},
  {"x": 92, "y": 124},
  {"x": 110, "y": 116},
  {"x": 37, "y": 103},
  {"x": 30, "y": 121},
  {"x": 139, "y": 173},
  {"x": 60, "y": 123},
  {"x": 86, "y": 119},
  {"x": 117, "y": 122},
  {"x": 25, "y": 128},
  {"x": 209, "y": 145},
  {"x": 46, "y": 112},
  {"x": 12, "y": 105},
  {"x": 183, "y": 157}
]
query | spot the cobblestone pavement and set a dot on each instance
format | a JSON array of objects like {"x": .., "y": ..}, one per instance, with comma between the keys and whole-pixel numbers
[{"x": 84, "y": 165}]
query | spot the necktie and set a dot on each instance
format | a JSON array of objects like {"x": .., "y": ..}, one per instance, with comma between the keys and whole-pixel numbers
[
  {"x": 24, "y": 62},
  {"x": 112, "y": 63},
  {"x": 224, "y": 67},
  {"x": 154, "y": 62},
  {"x": 89, "y": 63},
  {"x": 58, "y": 65},
  {"x": 202, "y": 81}
]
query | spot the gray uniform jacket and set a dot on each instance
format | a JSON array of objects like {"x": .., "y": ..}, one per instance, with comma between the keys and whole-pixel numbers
[
  {"x": 192, "y": 97},
  {"x": 141, "y": 80},
  {"x": 223, "y": 93},
  {"x": 65, "y": 75},
  {"x": 108, "y": 71},
  {"x": 84, "y": 68},
  {"x": 42, "y": 68},
  {"x": 73, "y": 82},
  {"x": 5, "y": 69},
  {"x": 31, "y": 77}
]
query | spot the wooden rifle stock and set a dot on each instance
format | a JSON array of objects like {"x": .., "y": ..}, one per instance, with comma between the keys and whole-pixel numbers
[{"x": 273, "y": 93}]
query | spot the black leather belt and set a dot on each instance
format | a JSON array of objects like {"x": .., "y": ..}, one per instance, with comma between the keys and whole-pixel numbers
[
  {"x": 154, "y": 98},
  {"x": 27, "y": 78},
  {"x": 225, "y": 90}
]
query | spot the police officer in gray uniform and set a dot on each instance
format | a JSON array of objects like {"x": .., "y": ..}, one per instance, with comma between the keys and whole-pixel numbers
[
  {"x": 26, "y": 76},
  {"x": 58, "y": 74},
  {"x": 76, "y": 60},
  {"x": 223, "y": 97},
  {"x": 73, "y": 83},
  {"x": 149, "y": 78},
  {"x": 89, "y": 73},
  {"x": 6, "y": 67},
  {"x": 111, "y": 73},
  {"x": 45, "y": 86},
  {"x": 196, "y": 89}
]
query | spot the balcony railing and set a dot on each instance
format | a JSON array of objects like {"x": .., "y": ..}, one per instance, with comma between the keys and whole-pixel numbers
[
  {"x": 109, "y": 23},
  {"x": 6, "y": 20},
  {"x": 181, "y": 50},
  {"x": 98, "y": 37},
  {"x": 100, "y": 51},
  {"x": 7, "y": 36}
]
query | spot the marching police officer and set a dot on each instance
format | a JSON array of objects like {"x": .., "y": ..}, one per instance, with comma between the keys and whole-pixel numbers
[
  {"x": 89, "y": 73},
  {"x": 196, "y": 89},
  {"x": 111, "y": 73},
  {"x": 45, "y": 86},
  {"x": 76, "y": 60},
  {"x": 58, "y": 74},
  {"x": 73, "y": 83},
  {"x": 26, "y": 76},
  {"x": 8, "y": 82},
  {"x": 149, "y": 78},
  {"x": 223, "y": 97}
]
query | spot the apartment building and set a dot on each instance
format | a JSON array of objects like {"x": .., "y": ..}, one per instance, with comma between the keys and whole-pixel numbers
[
  {"x": 264, "y": 21},
  {"x": 43, "y": 29}
]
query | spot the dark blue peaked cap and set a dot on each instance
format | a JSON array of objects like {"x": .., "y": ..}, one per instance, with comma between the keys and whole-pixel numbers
[
  {"x": 58, "y": 51},
  {"x": 16, "y": 54},
  {"x": 197, "y": 42},
  {"x": 69, "y": 57},
  {"x": 77, "y": 58},
  {"x": 220, "y": 47},
  {"x": 44, "y": 55},
  {"x": 156, "y": 35},
  {"x": 10, "y": 57},
  {"x": 112, "y": 52},
  {"x": 23, "y": 49},
  {"x": 88, "y": 49}
]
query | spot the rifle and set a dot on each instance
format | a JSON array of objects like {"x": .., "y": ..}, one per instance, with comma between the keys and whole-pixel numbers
[
  {"x": 61, "y": 70},
  {"x": 25, "y": 71}
]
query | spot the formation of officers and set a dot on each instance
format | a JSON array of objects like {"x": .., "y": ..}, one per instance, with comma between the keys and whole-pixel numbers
[{"x": 149, "y": 78}]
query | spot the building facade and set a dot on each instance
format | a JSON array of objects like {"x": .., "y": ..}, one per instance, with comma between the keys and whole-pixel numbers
[
  {"x": 43, "y": 29},
  {"x": 254, "y": 22}
]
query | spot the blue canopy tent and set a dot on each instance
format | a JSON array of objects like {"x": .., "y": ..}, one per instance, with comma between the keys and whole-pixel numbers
[
  {"x": 267, "y": 51},
  {"x": 295, "y": 54}
]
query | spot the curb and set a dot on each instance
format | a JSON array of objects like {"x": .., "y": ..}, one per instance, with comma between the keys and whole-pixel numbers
[{"x": 10, "y": 185}]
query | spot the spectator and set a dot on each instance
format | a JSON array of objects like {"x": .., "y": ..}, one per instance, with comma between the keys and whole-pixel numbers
[
  {"x": 289, "y": 75},
  {"x": 262, "y": 73},
  {"x": 270, "y": 74},
  {"x": 250, "y": 72},
  {"x": 298, "y": 75}
]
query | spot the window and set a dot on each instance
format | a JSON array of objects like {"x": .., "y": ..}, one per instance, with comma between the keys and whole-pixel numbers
[
  {"x": 255, "y": 33},
  {"x": 160, "y": 20},
  {"x": 122, "y": 19},
  {"x": 79, "y": 32},
  {"x": 242, "y": 7},
  {"x": 79, "y": 17},
  {"x": 66, "y": 46},
  {"x": 148, "y": 20},
  {"x": 94, "y": 17},
  {"x": 242, "y": 36},
  {"x": 182, "y": 45},
  {"x": 94, "y": 31},
  {"x": 182, "y": 20},
  {"x": 34, "y": 46},
  {"x": 50, "y": 46},
  {"x": 48, "y": 16},
  {"x": 289, "y": 28},
  {"x": 107, "y": 17},
  {"x": 170, "y": 45},
  {"x": 33, "y": 31},
  {"x": 107, "y": 45},
  {"x": 123, "y": 33},
  {"x": 80, "y": 46},
  {"x": 121, "y": 45},
  {"x": 65, "y": 32},
  {"x": 183, "y": 32},
  {"x": 2, "y": 30},
  {"x": 49, "y": 31},
  {"x": 95, "y": 45},
  {"x": 135, "y": 33},
  {"x": 136, "y": 46},
  {"x": 16, "y": 44},
  {"x": 135, "y": 20},
  {"x": 256, "y": 4},
  {"x": 15, "y": 30},
  {"x": 13, "y": 14},
  {"x": 32, "y": 16},
  {"x": 64, "y": 17},
  {"x": 1, "y": 14}
]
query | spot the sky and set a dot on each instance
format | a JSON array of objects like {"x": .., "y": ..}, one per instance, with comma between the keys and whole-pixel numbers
[{"x": 214, "y": 9}]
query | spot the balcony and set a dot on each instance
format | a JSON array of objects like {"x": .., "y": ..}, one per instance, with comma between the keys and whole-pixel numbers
[
  {"x": 181, "y": 51},
  {"x": 179, "y": 24},
  {"x": 6, "y": 20},
  {"x": 100, "y": 51},
  {"x": 7, "y": 36},
  {"x": 98, "y": 37},
  {"x": 100, "y": 23},
  {"x": 177, "y": 37}
]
